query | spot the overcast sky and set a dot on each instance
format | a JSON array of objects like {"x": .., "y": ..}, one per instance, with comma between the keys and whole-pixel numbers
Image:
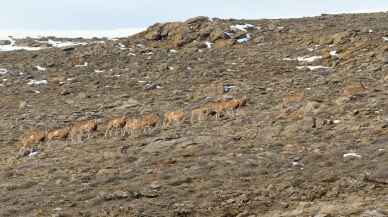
[{"x": 113, "y": 14}]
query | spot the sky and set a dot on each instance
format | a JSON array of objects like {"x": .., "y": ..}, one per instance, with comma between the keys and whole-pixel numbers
[{"x": 88, "y": 15}]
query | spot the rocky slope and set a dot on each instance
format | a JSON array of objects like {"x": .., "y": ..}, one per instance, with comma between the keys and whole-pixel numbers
[{"x": 312, "y": 139}]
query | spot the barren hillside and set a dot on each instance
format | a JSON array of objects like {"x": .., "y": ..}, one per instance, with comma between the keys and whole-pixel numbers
[{"x": 270, "y": 118}]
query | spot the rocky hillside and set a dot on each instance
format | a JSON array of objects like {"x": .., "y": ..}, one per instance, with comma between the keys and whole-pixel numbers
[{"x": 307, "y": 137}]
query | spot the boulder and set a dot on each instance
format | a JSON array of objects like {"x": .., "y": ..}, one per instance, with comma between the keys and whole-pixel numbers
[{"x": 5, "y": 42}]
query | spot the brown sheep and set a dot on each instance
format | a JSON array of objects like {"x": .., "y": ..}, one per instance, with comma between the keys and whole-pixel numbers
[
  {"x": 115, "y": 124},
  {"x": 171, "y": 117},
  {"x": 199, "y": 114},
  {"x": 29, "y": 139},
  {"x": 132, "y": 125},
  {"x": 235, "y": 104},
  {"x": 83, "y": 127},
  {"x": 33, "y": 137},
  {"x": 219, "y": 107},
  {"x": 150, "y": 121},
  {"x": 58, "y": 134}
]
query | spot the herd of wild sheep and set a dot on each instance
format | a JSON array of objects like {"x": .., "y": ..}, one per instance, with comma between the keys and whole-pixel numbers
[{"x": 129, "y": 126}]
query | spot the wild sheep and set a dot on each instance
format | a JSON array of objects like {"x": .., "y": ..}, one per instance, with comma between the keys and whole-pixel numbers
[
  {"x": 219, "y": 107},
  {"x": 29, "y": 139},
  {"x": 171, "y": 117},
  {"x": 115, "y": 124},
  {"x": 80, "y": 128},
  {"x": 199, "y": 114},
  {"x": 148, "y": 121},
  {"x": 58, "y": 134},
  {"x": 132, "y": 125},
  {"x": 33, "y": 137}
]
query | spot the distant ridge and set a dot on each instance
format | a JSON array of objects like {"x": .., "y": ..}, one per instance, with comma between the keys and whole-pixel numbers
[{"x": 113, "y": 33}]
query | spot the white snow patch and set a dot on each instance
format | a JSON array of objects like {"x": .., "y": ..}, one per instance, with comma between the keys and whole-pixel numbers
[
  {"x": 12, "y": 47},
  {"x": 141, "y": 45},
  {"x": 230, "y": 35},
  {"x": 40, "y": 68},
  {"x": 370, "y": 31},
  {"x": 309, "y": 59},
  {"x": 352, "y": 154},
  {"x": 98, "y": 71},
  {"x": 312, "y": 68},
  {"x": 60, "y": 44},
  {"x": 208, "y": 44},
  {"x": 385, "y": 39},
  {"x": 3, "y": 71},
  {"x": 333, "y": 53},
  {"x": 122, "y": 46},
  {"x": 84, "y": 65},
  {"x": 289, "y": 59},
  {"x": 33, "y": 153},
  {"x": 243, "y": 27},
  {"x": 173, "y": 51},
  {"x": 37, "y": 82},
  {"x": 244, "y": 40}
]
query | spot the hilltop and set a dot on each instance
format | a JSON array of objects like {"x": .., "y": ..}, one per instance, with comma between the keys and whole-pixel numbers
[{"x": 310, "y": 140}]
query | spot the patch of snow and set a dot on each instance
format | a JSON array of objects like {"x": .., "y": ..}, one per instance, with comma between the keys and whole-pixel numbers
[
  {"x": 40, "y": 68},
  {"x": 98, "y": 71},
  {"x": 227, "y": 88},
  {"x": 142, "y": 81},
  {"x": 33, "y": 153},
  {"x": 84, "y": 65},
  {"x": 37, "y": 82},
  {"x": 336, "y": 121},
  {"x": 309, "y": 59},
  {"x": 12, "y": 47},
  {"x": 312, "y": 68},
  {"x": 352, "y": 154},
  {"x": 131, "y": 54},
  {"x": 230, "y": 35},
  {"x": 310, "y": 49},
  {"x": 244, "y": 40},
  {"x": 60, "y": 44},
  {"x": 333, "y": 53},
  {"x": 385, "y": 39},
  {"x": 173, "y": 51},
  {"x": 370, "y": 30},
  {"x": 243, "y": 27},
  {"x": 3, "y": 71},
  {"x": 141, "y": 45},
  {"x": 122, "y": 46},
  {"x": 289, "y": 59},
  {"x": 208, "y": 44}
]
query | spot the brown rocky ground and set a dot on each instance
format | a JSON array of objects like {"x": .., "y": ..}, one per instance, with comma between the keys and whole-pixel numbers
[{"x": 311, "y": 141}]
